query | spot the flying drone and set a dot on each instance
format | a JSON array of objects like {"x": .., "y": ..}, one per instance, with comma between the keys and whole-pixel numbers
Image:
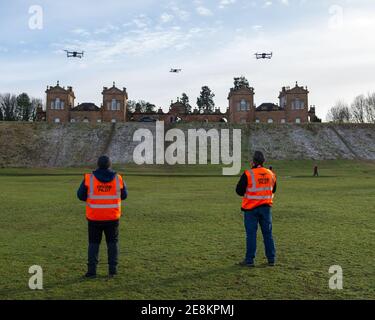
[
  {"x": 74, "y": 54},
  {"x": 264, "y": 55},
  {"x": 175, "y": 70}
]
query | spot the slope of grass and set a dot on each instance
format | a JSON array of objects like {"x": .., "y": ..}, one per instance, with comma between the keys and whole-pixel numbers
[{"x": 182, "y": 233}]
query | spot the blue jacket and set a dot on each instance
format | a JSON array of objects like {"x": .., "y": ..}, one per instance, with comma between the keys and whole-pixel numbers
[{"x": 103, "y": 175}]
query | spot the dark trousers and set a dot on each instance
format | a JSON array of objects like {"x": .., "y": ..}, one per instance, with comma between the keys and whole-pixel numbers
[
  {"x": 111, "y": 232},
  {"x": 263, "y": 217}
]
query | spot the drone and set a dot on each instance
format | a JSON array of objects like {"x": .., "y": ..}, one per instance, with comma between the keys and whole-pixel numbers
[
  {"x": 74, "y": 54},
  {"x": 175, "y": 70},
  {"x": 264, "y": 55}
]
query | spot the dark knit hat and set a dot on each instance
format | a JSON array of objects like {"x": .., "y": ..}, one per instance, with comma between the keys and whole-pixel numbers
[
  {"x": 258, "y": 158},
  {"x": 104, "y": 162}
]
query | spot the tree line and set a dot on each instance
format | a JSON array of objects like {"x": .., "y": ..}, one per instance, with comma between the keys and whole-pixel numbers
[
  {"x": 205, "y": 103},
  {"x": 361, "y": 110},
  {"x": 20, "y": 107}
]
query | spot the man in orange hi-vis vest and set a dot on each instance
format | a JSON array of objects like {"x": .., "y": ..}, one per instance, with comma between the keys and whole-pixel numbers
[
  {"x": 103, "y": 190},
  {"x": 257, "y": 186}
]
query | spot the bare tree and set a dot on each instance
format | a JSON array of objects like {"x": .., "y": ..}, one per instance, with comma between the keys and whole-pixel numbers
[
  {"x": 339, "y": 113},
  {"x": 35, "y": 104},
  {"x": 8, "y": 105},
  {"x": 370, "y": 108},
  {"x": 358, "y": 109}
]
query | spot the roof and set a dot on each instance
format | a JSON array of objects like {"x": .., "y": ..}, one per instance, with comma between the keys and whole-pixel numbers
[
  {"x": 268, "y": 107},
  {"x": 296, "y": 90},
  {"x": 87, "y": 106}
]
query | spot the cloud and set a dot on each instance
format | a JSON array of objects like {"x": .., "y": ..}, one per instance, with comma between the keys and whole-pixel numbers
[
  {"x": 142, "y": 21},
  {"x": 165, "y": 17},
  {"x": 203, "y": 11},
  {"x": 225, "y": 3},
  {"x": 81, "y": 32},
  {"x": 267, "y": 4},
  {"x": 107, "y": 29},
  {"x": 136, "y": 42},
  {"x": 181, "y": 14}
]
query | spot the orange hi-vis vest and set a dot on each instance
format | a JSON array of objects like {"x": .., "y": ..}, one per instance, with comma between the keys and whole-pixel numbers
[
  {"x": 103, "y": 199},
  {"x": 259, "y": 192}
]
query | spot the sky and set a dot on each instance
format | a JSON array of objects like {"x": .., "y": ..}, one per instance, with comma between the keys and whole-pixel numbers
[{"x": 325, "y": 45}]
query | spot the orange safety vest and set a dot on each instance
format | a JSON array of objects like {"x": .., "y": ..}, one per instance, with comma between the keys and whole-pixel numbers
[
  {"x": 103, "y": 199},
  {"x": 259, "y": 191}
]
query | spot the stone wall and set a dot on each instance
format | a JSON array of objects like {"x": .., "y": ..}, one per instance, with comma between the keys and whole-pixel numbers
[{"x": 64, "y": 145}]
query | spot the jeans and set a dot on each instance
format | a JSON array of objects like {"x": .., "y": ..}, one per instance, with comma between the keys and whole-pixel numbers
[
  {"x": 262, "y": 216},
  {"x": 95, "y": 231}
]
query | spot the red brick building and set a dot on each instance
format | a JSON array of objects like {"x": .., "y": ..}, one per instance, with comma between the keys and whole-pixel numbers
[
  {"x": 292, "y": 108},
  {"x": 60, "y": 107}
]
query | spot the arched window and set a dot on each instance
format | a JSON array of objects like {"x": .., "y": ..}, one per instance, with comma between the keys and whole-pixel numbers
[
  {"x": 86, "y": 120},
  {"x": 113, "y": 121},
  {"x": 257, "y": 121},
  {"x": 115, "y": 105},
  {"x": 57, "y": 103},
  {"x": 99, "y": 121},
  {"x": 298, "y": 120},
  {"x": 243, "y": 105},
  {"x": 270, "y": 121},
  {"x": 72, "y": 120},
  {"x": 57, "y": 120},
  {"x": 283, "y": 121}
]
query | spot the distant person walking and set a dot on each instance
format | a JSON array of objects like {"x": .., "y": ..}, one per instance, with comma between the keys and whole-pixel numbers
[
  {"x": 257, "y": 187},
  {"x": 316, "y": 171},
  {"x": 103, "y": 190}
]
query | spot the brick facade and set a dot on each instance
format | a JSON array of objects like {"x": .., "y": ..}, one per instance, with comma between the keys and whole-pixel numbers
[
  {"x": 292, "y": 108},
  {"x": 60, "y": 107}
]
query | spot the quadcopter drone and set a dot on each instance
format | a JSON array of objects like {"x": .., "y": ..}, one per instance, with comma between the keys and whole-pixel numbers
[
  {"x": 74, "y": 54},
  {"x": 264, "y": 55},
  {"x": 175, "y": 70}
]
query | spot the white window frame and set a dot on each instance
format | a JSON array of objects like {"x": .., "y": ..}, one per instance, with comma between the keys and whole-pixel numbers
[{"x": 270, "y": 121}]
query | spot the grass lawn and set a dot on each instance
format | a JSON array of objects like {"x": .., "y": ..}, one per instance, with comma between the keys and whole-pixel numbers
[{"x": 182, "y": 234}]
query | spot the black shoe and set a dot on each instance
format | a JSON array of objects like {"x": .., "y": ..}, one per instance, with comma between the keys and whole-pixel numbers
[
  {"x": 271, "y": 264},
  {"x": 246, "y": 264},
  {"x": 90, "y": 275},
  {"x": 112, "y": 271}
]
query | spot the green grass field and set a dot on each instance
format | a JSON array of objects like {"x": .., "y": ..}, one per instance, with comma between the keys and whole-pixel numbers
[{"x": 182, "y": 234}]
